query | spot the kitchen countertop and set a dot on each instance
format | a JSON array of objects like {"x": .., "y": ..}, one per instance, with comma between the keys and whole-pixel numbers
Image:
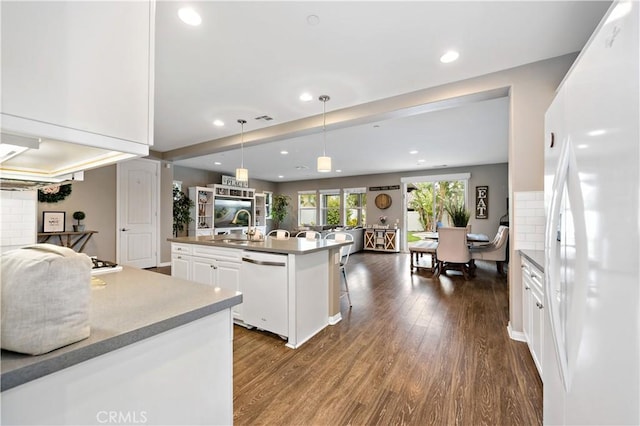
[
  {"x": 535, "y": 256},
  {"x": 271, "y": 245},
  {"x": 133, "y": 305}
]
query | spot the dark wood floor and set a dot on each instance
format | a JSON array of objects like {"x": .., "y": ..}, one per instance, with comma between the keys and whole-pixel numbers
[{"x": 413, "y": 350}]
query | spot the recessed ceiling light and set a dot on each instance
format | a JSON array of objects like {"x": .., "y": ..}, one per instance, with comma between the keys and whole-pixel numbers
[
  {"x": 412, "y": 152},
  {"x": 306, "y": 97},
  {"x": 450, "y": 56},
  {"x": 280, "y": 176},
  {"x": 189, "y": 16},
  {"x": 218, "y": 123},
  {"x": 313, "y": 20},
  {"x": 420, "y": 161},
  {"x": 217, "y": 163},
  {"x": 338, "y": 170},
  {"x": 284, "y": 152},
  {"x": 582, "y": 146}
]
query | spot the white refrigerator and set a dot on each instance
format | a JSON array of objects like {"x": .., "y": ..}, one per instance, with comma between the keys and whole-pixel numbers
[{"x": 591, "y": 359}]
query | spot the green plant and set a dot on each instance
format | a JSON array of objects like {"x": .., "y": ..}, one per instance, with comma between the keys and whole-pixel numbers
[
  {"x": 279, "y": 209},
  {"x": 79, "y": 215},
  {"x": 458, "y": 214},
  {"x": 181, "y": 211}
]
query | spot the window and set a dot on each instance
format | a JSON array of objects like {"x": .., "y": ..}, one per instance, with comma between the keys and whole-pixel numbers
[
  {"x": 330, "y": 206},
  {"x": 355, "y": 206},
  {"x": 307, "y": 212},
  {"x": 428, "y": 196}
]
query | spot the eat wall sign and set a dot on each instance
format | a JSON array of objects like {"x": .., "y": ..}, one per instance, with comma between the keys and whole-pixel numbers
[{"x": 482, "y": 202}]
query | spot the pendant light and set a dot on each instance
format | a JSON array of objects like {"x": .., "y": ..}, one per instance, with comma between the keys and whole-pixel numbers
[
  {"x": 242, "y": 174},
  {"x": 324, "y": 162}
]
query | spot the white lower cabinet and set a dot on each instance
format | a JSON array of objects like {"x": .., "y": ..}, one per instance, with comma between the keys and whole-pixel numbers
[
  {"x": 215, "y": 266},
  {"x": 204, "y": 270},
  {"x": 533, "y": 310}
]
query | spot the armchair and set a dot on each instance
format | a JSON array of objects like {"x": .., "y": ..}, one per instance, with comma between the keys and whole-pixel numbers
[{"x": 496, "y": 250}]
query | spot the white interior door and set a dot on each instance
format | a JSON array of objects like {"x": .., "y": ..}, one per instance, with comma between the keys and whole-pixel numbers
[{"x": 138, "y": 213}]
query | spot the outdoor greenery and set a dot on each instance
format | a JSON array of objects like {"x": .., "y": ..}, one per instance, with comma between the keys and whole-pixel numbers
[
  {"x": 426, "y": 194},
  {"x": 279, "y": 209},
  {"x": 356, "y": 202},
  {"x": 181, "y": 211},
  {"x": 332, "y": 203}
]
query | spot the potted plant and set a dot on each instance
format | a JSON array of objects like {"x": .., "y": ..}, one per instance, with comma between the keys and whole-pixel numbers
[
  {"x": 279, "y": 209},
  {"x": 458, "y": 214},
  {"x": 79, "y": 215},
  {"x": 181, "y": 211}
]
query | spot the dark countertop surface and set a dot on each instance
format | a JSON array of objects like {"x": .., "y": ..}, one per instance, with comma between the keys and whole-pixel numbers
[
  {"x": 270, "y": 245},
  {"x": 133, "y": 305},
  {"x": 535, "y": 256}
]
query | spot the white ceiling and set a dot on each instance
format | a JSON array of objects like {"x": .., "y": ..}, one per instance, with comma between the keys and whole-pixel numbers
[{"x": 250, "y": 59}]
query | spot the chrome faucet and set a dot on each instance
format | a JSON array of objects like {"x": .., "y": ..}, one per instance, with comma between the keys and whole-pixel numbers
[{"x": 235, "y": 218}]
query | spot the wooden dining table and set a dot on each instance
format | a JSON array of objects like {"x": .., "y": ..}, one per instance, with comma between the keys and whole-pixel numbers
[{"x": 471, "y": 238}]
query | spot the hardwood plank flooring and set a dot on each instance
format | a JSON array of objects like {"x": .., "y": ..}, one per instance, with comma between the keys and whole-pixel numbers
[{"x": 413, "y": 350}]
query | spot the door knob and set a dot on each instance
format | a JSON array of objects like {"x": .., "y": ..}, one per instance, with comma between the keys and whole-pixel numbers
[{"x": 124, "y": 229}]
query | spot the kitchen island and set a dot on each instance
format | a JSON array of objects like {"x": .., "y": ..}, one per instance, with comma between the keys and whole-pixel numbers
[
  {"x": 290, "y": 287},
  {"x": 160, "y": 352}
]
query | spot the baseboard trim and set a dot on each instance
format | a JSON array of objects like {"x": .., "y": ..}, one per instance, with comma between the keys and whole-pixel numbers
[
  {"x": 515, "y": 335},
  {"x": 334, "y": 319}
]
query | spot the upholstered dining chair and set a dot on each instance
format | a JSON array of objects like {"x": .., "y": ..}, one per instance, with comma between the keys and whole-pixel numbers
[
  {"x": 495, "y": 251},
  {"x": 279, "y": 234},
  {"x": 453, "y": 251},
  {"x": 309, "y": 235},
  {"x": 344, "y": 257}
]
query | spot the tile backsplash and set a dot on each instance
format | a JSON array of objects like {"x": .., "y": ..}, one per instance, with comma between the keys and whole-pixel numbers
[
  {"x": 529, "y": 220},
  {"x": 18, "y": 219}
]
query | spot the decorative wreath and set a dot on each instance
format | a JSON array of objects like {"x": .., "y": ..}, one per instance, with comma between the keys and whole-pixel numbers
[{"x": 55, "y": 193}]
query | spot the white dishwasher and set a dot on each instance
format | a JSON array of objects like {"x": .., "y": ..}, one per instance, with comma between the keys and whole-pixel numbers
[{"x": 263, "y": 277}]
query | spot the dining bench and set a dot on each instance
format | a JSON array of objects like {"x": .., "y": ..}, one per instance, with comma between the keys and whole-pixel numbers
[{"x": 418, "y": 249}]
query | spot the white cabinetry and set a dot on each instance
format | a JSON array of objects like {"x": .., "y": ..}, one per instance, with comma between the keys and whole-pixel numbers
[
  {"x": 381, "y": 239},
  {"x": 215, "y": 266},
  {"x": 533, "y": 310},
  {"x": 202, "y": 211},
  {"x": 81, "y": 72}
]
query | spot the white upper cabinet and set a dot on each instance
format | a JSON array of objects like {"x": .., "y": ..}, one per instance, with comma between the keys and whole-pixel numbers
[{"x": 79, "y": 71}]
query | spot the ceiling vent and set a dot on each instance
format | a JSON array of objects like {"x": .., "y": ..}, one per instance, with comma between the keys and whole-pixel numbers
[{"x": 264, "y": 117}]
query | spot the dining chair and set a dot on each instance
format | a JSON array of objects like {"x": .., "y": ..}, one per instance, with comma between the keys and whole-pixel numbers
[
  {"x": 309, "y": 235},
  {"x": 495, "y": 251},
  {"x": 452, "y": 251},
  {"x": 279, "y": 234},
  {"x": 344, "y": 257}
]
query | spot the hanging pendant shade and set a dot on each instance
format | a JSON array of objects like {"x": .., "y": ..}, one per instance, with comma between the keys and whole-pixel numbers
[
  {"x": 324, "y": 162},
  {"x": 242, "y": 174}
]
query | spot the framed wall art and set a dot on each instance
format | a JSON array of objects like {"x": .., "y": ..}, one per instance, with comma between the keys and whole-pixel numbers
[
  {"x": 53, "y": 221},
  {"x": 482, "y": 202}
]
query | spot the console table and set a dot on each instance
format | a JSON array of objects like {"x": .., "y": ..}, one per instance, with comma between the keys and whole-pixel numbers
[
  {"x": 381, "y": 239},
  {"x": 74, "y": 240}
]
